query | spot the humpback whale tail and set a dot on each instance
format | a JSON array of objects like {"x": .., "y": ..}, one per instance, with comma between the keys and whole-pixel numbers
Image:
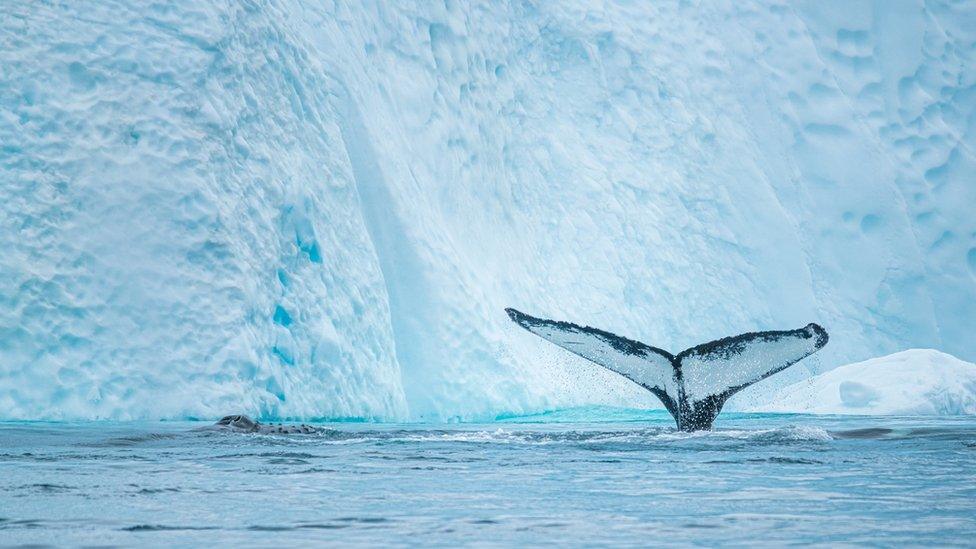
[{"x": 695, "y": 383}]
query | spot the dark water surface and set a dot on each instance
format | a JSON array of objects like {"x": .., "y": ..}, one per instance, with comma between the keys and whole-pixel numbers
[{"x": 563, "y": 478}]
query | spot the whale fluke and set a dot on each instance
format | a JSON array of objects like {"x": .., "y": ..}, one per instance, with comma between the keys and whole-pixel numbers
[{"x": 695, "y": 383}]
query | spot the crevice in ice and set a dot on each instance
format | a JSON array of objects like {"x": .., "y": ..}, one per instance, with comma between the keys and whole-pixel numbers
[{"x": 402, "y": 271}]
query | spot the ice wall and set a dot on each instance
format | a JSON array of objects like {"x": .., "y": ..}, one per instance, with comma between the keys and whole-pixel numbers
[
  {"x": 317, "y": 209},
  {"x": 181, "y": 229}
]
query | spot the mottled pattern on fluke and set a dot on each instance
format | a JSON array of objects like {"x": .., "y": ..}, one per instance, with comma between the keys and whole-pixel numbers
[{"x": 695, "y": 384}]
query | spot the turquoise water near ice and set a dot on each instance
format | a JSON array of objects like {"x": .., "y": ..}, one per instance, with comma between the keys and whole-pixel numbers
[{"x": 588, "y": 476}]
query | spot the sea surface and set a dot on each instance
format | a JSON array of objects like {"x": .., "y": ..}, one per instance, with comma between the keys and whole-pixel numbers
[{"x": 592, "y": 476}]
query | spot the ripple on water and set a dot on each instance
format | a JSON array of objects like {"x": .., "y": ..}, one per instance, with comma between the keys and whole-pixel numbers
[
  {"x": 47, "y": 487},
  {"x": 335, "y": 524},
  {"x": 154, "y": 491},
  {"x": 867, "y": 433},
  {"x": 797, "y": 480},
  {"x": 135, "y": 440},
  {"x": 164, "y": 528}
]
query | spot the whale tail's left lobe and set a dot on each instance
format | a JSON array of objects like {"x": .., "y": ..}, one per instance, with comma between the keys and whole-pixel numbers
[{"x": 647, "y": 366}]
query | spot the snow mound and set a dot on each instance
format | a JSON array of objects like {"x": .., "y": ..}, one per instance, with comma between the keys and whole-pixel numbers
[{"x": 913, "y": 382}]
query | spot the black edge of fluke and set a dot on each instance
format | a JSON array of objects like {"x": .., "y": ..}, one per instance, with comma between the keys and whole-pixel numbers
[
  {"x": 518, "y": 317},
  {"x": 820, "y": 332}
]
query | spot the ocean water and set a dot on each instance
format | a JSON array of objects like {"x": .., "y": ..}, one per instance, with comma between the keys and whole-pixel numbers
[{"x": 578, "y": 477}]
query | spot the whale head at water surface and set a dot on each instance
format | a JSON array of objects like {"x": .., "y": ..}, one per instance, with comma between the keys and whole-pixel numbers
[{"x": 240, "y": 423}]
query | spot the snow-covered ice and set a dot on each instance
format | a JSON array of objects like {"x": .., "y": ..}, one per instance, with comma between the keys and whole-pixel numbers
[
  {"x": 913, "y": 382},
  {"x": 321, "y": 209}
]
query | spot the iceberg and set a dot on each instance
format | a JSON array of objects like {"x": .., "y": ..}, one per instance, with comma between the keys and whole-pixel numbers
[
  {"x": 913, "y": 382},
  {"x": 321, "y": 209}
]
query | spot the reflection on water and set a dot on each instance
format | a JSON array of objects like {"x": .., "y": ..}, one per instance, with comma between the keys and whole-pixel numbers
[{"x": 563, "y": 477}]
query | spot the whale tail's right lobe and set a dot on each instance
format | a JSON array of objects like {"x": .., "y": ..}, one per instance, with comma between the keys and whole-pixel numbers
[{"x": 694, "y": 384}]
